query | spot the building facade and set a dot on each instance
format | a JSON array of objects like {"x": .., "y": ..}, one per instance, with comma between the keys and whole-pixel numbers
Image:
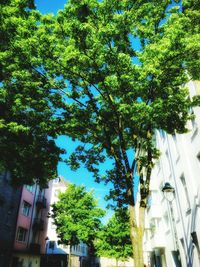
[
  {"x": 31, "y": 226},
  {"x": 172, "y": 232},
  {"x": 9, "y": 205}
]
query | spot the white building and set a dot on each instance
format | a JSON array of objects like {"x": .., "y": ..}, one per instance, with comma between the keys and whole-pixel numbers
[
  {"x": 78, "y": 252},
  {"x": 172, "y": 234}
]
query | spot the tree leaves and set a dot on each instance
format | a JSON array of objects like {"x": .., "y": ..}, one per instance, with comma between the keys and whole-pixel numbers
[
  {"x": 113, "y": 239},
  {"x": 80, "y": 64},
  {"x": 27, "y": 108},
  {"x": 77, "y": 216}
]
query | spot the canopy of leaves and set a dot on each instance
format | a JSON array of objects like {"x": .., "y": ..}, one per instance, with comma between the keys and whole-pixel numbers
[
  {"x": 120, "y": 67},
  {"x": 124, "y": 65},
  {"x": 31, "y": 112},
  {"x": 77, "y": 216},
  {"x": 114, "y": 238}
]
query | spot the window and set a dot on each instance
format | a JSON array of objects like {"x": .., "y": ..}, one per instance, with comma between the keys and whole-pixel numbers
[
  {"x": 51, "y": 245},
  {"x": 57, "y": 180},
  {"x": 185, "y": 190},
  {"x": 167, "y": 166},
  {"x": 152, "y": 227},
  {"x": 198, "y": 156},
  {"x": 53, "y": 226},
  {"x": 57, "y": 192},
  {"x": 158, "y": 164},
  {"x": 29, "y": 187},
  {"x": 176, "y": 149},
  {"x": 192, "y": 122},
  {"x": 65, "y": 246},
  {"x": 176, "y": 258},
  {"x": 83, "y": 250},
  {"x": 162, "y": 134},
  {"x": 26, "y": 208},
  {"x": 197, "y": 87},
  {"x": 195, "y": 242},
  {"x": 21, "y": 234},
  {"x": 166, "y": 221},
  {"x": 149, "y": 201}
]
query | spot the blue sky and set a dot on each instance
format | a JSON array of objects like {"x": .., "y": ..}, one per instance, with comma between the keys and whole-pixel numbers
[{"x": 49, "y": 6}]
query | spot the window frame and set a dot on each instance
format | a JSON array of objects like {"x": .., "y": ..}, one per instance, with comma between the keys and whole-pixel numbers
[
  {"x": 186, "y": 193},
  {"x": 198, "y": 156},
  {"x": 21, "y": 234},
  {"x": 57, "y": 192},
  {"x": 26, "y": 209},
  {"x": 29, "y": 188}
]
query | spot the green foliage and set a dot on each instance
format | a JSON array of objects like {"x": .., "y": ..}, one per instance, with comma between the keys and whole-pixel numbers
[
  {"x": 77, "y": 216},
  {"x": 114, "y": 238},
  {"x": 191, "y": 11},
  {"x": 124, "y": 65},
  {"x": 28, "y": 103}
]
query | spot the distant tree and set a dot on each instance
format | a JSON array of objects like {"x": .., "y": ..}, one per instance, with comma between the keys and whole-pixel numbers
[
  {"x": 31, "y": 113},
  {"x": 77, "y": 216},
  {"x": 113, "y": 239}
]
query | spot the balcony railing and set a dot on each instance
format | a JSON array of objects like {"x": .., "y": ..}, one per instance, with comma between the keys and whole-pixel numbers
[
  {"x": 41, "y": 202},
  {"x": 38, "y": 224}
]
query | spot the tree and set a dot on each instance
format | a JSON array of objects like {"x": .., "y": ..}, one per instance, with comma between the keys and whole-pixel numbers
[
  {"x": 123, "y": 65},
  {"x": 77, "y": 216},
  {"x": 114, "y": 238},
  {"x": 120, "y": 67},
  {"x": 31, "y": 114},
  {"x": 117, "y": 93}
]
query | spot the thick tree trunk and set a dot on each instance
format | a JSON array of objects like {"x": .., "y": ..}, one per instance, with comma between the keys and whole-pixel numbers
[{"x": 136, "y": 232}]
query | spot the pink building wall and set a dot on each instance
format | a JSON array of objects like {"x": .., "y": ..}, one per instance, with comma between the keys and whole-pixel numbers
[
  {"x": 27, "y": 221},
  {"x": 24, "y": 221}
]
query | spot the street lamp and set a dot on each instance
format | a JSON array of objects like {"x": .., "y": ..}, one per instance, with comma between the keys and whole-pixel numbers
[
  {"x": 168, "y": 191},
  {"x": 169, "y": 194}
]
